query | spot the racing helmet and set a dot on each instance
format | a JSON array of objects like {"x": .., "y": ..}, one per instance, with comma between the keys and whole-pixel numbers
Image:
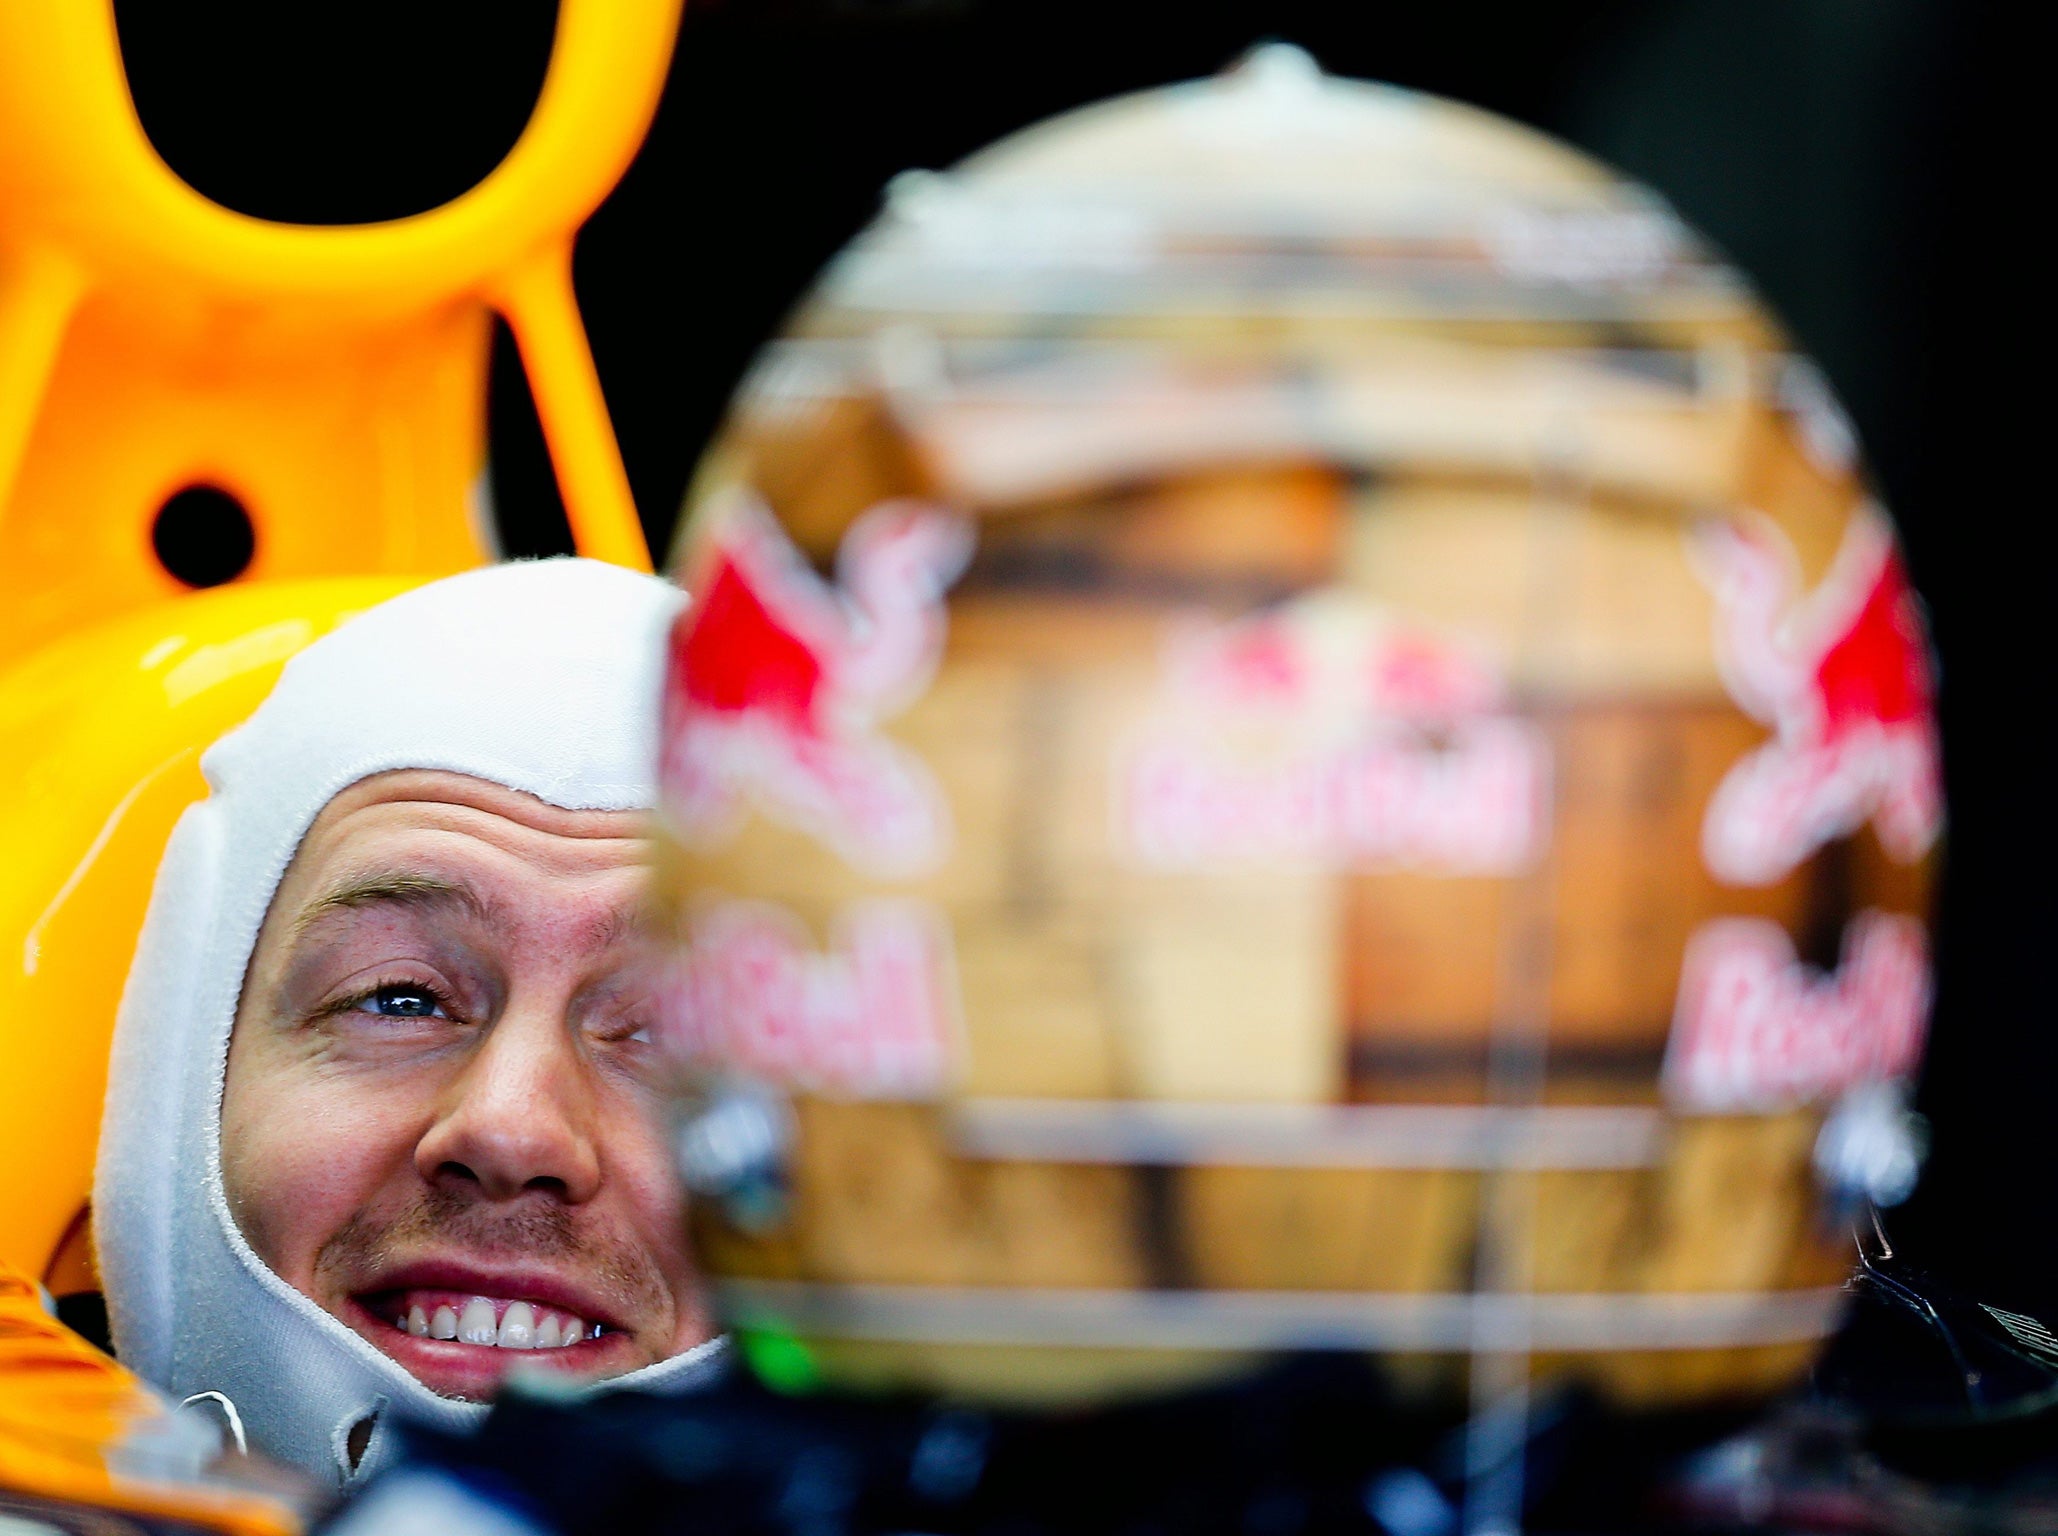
[{"x": 1297, "y": 730}]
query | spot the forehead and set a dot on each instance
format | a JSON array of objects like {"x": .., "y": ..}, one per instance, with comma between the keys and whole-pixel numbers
[{"x": 424, "y": 820}]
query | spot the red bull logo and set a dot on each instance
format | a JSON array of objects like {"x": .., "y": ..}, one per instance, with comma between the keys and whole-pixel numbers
[
  {"x": 778, "y": 680},
  {"x": 1843, "y": 678},
  {"x": 1756, "y": 1030},
  {"x": 1329, "y": 734},
  {"x": 872, "y": 1016}
]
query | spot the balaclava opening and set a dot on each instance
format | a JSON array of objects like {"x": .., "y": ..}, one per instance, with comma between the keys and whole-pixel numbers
[{"x": 540, "y": 676}]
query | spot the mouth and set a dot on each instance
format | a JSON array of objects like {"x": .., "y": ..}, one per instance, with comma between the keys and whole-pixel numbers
[{"x": 460, "y": 1331}]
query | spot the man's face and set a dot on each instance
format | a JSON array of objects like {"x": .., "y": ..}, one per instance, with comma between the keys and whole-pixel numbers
[{"x": 439, "y": 1121}]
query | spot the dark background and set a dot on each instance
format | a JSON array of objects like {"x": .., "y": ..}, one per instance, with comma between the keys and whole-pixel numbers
[{"x": 1842, "y": 152}]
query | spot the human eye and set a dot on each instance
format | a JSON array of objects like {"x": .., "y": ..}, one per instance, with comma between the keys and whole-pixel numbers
[
  {"x": 399, "y": 1000},
  {"x": 626, "y": 1038},
  {"x": 623, "y": 1031},
  {"x": 624, "y": 1009}
]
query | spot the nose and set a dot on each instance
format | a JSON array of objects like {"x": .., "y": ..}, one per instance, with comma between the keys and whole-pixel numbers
[{"x": 519, "y": 1117}]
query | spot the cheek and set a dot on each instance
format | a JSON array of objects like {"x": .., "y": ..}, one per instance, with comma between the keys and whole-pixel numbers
[
  {"x": 642, "y": 1169},
  {"x": 305, "y": 1150}
]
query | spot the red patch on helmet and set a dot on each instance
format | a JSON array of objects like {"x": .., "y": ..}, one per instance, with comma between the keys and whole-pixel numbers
[
  {"x": 1843, "y": 677},
  {"x": 777, "y": 681}
]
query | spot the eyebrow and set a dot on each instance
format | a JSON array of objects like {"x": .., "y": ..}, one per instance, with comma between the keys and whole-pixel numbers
[
  {"x": 395, "y": 888},
  {"x": 634, "y": 924},
  {"x": 409, "y": 889}
]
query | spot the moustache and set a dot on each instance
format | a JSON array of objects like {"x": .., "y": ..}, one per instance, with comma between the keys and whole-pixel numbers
[{"x": 442, "y": 1219}]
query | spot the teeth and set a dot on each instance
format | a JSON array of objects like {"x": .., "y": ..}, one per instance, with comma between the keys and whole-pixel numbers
[
  {"x": 477, "y": 1325},
  {"x": 518, "y": 1327},
  {"x": 490, "y": 1322}
]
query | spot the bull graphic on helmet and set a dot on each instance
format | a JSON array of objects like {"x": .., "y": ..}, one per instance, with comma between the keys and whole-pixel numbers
[
  {"x": 1843, "y": 678},
  {"x": 778, "y": 679}
]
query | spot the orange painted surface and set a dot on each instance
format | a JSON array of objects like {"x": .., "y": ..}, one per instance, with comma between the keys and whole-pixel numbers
[
  {"x": 75, "y": 1428},
  {"x": 333, "y": 379}
]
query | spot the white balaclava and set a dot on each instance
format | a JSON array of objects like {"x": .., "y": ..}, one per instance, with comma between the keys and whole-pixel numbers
[{"x": 541, "y": 676}]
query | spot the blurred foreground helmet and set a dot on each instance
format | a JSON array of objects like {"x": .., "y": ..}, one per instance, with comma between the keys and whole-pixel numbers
[{"x": 1296, "y": 732}]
